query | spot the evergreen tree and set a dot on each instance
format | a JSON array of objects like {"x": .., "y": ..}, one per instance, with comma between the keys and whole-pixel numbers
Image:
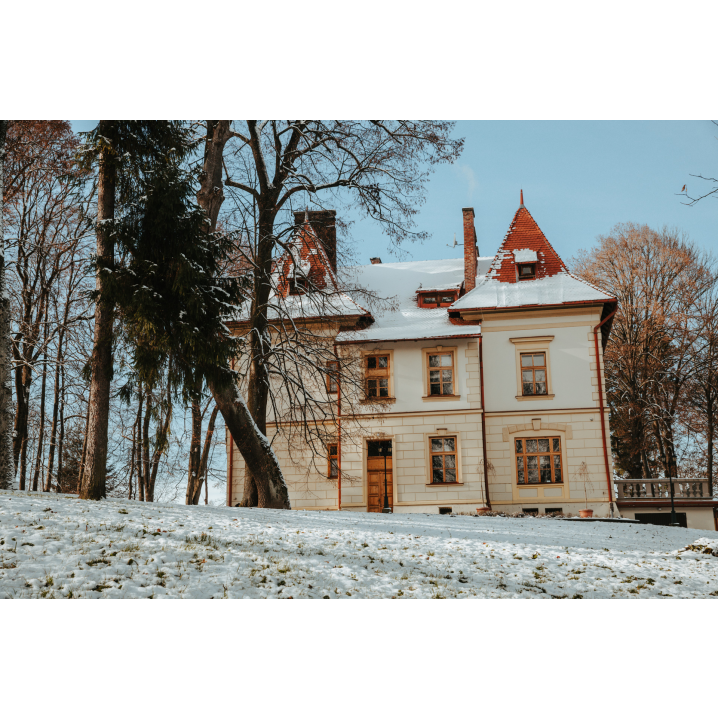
[{"x": 125, "y": 152}]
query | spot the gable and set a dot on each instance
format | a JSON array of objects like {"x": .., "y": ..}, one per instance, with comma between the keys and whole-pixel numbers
[
  {"x": 306, "y": 260},
  {"x": 525, "y": 243}
]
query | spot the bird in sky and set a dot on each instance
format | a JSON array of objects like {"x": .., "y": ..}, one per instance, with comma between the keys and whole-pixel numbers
[{"x": 684, "y": 188}]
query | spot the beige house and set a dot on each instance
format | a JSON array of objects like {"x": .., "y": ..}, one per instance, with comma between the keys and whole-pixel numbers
[{"x": 483, "y": 384}]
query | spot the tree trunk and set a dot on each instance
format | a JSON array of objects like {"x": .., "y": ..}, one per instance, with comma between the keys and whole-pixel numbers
[
  {"x": 40, "y": 438},
  {"x": 94, "y": 475},
  {"x": 140, "y": 472},
  {"x": 259, "y": 457},
  {"x": 61, "y": 441},
  {"x": 202, "y": 457},
  {"x": 6, "y": 407},
  {"x": 146, "y": 445},
  {"x": 253, "y": 445},
  {"x": 193, "y": 481},
  {"x": 53, "y": 430}
]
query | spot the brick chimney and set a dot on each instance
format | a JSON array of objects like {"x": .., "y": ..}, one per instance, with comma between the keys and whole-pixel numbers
[
  {"x": 324, "y": 225},
  {"x": 470, "y": 249}
]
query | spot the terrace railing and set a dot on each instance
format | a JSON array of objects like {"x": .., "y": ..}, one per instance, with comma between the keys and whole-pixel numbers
[{"x": 660, "y": 489}]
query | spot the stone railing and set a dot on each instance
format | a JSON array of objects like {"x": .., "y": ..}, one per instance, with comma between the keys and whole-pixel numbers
[{"x": 660, "y": 489}]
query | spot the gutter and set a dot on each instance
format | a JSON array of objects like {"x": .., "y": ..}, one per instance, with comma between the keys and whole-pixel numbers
[
  {"x": 483, "y": 421},
  {"x": 600, "y": 403}
]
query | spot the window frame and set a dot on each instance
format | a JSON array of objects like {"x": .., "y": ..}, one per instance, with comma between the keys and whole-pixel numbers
[
  {"x": 455, "y": 453},
  {"x": 533, "y": 345},
  {"x": 525, "y": 278},
  {"x": 533, "y": 368},
  {"x": 425, "y": 352},
  {"x": 332, "y": 457},
  {"x": 368, "y": 374},
  {"x": 442, "y": 434},
  {"x": 452, "y": 295},
  {"x": 526, "y": 453},
  {"x": 332, "y": 377}
]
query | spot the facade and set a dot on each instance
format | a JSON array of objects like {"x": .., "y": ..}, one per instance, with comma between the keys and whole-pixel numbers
[{"x": 483, "y": 382}]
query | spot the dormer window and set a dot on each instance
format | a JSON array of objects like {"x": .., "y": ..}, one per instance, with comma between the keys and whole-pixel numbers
[
  {"x": 432, "y": 300},
  {"x": 526, "y": 271},
  {"x": 298, "y": 285}
]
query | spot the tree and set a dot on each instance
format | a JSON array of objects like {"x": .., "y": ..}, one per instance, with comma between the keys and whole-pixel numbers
[
  {"x": 124, "y": 152},
  {"x": 651, "y": 359},
  {"x": 6, "y": 408},
  {"x": 378, "y": 167}
]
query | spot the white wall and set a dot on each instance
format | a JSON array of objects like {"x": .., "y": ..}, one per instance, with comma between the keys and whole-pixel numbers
[{"x": 570, "y": 367}]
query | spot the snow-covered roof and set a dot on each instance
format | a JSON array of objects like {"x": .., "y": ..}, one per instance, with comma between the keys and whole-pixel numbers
[
  {"x": 559, "y": 289},
  {"x": 401, "y": 281}
]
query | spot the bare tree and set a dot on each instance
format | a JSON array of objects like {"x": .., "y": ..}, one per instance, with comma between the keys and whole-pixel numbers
[
  {"x": 652, "y": 358},
  {"x": 6, "y": 408},
  {"x": 379, "y": 167}
]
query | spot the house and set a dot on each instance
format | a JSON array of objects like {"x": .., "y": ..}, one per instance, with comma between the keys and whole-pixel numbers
[{"x": 481, "y": 386}]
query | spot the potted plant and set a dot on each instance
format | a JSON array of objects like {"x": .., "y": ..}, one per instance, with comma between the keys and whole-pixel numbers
[{"x": 584, "y": 473}]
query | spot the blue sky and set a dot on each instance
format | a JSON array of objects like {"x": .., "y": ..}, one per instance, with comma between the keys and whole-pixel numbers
[{"x": 579, "y": 179}]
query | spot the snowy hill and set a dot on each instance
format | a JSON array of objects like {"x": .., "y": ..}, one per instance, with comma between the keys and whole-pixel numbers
[{"x": 58, "y": 546}]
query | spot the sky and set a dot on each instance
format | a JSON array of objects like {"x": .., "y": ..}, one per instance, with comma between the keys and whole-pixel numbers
[{"x": 579, "y": 179}]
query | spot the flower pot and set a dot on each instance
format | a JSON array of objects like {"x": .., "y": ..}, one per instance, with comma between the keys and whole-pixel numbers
[
  {"x": 585, "y": 513},
  {"x": 483, "y": 510}
]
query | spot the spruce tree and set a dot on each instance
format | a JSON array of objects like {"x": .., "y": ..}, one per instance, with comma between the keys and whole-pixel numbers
[{"x": 125, "y": 152}]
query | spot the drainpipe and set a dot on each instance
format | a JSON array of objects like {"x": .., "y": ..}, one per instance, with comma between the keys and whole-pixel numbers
[
  {"x": 339, "y": 433},
  {"x": 483, "y": 420},
  {"x": 600, "y": 403}
]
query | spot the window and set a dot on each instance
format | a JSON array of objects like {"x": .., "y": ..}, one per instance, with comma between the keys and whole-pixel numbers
[
  {"x": 531, "y": 512},
  {"x": 526, "y": 271},
  {"x": 443, "y": 459},
  {"x": 538, "y": 461},
  {"x": 437, "y": 299},
  {"x": 441, "y": 374},
  {"x": 333, "y": 461},
  {"x": 377, "y": 376},
  {"x": 533, "y": 374},
  {"x": 298, "y": 285},
  {"x": 445, "y": 509},
  {"x": 332, "y": 378}
]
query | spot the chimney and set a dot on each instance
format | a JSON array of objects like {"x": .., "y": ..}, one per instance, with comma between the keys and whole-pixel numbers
[
  {"x": 375, "y": 260},
  {"x": 470, "y": 249},
  {"x": 324, "y": 225}
]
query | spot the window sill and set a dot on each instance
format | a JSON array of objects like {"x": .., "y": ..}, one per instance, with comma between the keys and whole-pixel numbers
[
  {"x": 535, "y": 397},
  {"x": 447, "y": 483},
  {"x": 379, "y": 400},
  {"x": 535, "y": 486},
  {"x": 441, "y": 397}
]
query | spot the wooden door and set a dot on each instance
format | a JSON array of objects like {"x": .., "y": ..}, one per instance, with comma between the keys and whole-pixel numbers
[{"x": 379, "y": 457}]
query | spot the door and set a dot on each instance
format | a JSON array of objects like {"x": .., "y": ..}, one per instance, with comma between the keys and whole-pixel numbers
[{"x": 379, "y": 475}]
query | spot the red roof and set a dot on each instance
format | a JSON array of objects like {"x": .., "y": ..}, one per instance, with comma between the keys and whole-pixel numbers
[
  {"x": 524, "y": 233},
  {"x": 309, "y": 260}
]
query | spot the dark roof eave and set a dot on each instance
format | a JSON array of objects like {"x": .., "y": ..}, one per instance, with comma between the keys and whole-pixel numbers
[
  {"x": 334, "y": 317},
  {"x": 453, "y": 312},
  {"x": 418, "y": 339}
]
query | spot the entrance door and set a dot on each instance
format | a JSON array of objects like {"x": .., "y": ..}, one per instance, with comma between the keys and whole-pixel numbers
[{"x": 379, "y": 475}]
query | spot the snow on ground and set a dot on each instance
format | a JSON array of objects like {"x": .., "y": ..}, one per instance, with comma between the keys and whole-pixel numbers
[{"x": 57, "y": 546}]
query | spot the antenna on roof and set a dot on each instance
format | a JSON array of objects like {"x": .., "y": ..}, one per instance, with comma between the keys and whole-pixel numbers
[
  {"x": 455, "y": 244},
  {"x": 522, "y": 198}
]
